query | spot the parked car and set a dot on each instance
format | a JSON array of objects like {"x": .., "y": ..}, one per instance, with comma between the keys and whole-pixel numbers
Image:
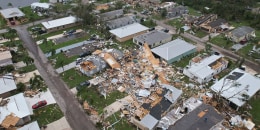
[
  {"x": 82, "y": 85},
  {"x": 42, "y": 31},
  {"x": 36, "y": 29},
  {"x": 84, "y": 54},
  {"x": 39, "y": 104}
]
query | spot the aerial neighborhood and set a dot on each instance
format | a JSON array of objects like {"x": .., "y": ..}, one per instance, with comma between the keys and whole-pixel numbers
[{"x": 129, "y": 64}]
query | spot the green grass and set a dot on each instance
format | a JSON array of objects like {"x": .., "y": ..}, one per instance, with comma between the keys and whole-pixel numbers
[
  {"x": 44, "y": 1},
  {"x": 200, "y": 34},
  {"x": 149, "y": 23},
  {"x": 193, "y": 12},
  {"x": 123, "y": 124},
  {"x": 72, "y": 77},
  {"x": 47, "y": 114},
  {"x": 2, "y": 22},
  {"x": 175, "y": 23},
  {"x": 50, "y": 45},
  {"x": 185, "y": 60},
  {"x": 157, "y": 17},
  {"x": 245, "y": 50},
  {"x": 255, "y": 110},
  {"x": 221, "y": 41},
  {"x": 56, "y": 32},
  {"x": 28, "y": 68},
  {"x": 62, "y": 58},
  {"x": 127, "y": 44},
  {"x": 97, "y": 100},
  {"x": 30, "y": 14}
]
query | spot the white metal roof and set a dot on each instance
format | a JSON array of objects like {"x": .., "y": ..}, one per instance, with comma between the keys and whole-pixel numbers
[
  {"x": 7, "y": 83},
  {"x": 237, "y": 87},
  {"x": 5, "y": 55},
  {"x": 149, "y": 121},
  {"x": 59, "y": 22},
  {"x": 128, "y": 30},
  {"x": 11, "y": 12},
  {"x": 202, "y": 69},
  {"x": 32, "y": 126},
  {"x": 41, "y": 5},
  {"x": 173, "y": 49},
  {"x": 16, "y": 105},
  {"x": 172, "y": 94}
]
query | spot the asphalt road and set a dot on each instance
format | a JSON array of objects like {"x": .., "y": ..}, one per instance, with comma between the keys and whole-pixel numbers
[{"x": 69, "y": 105}]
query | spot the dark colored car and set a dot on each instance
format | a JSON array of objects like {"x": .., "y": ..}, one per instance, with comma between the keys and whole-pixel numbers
[
  {"x": 36, "y": 29},
  {"x": 12, "y": 22},
  {"x": 39, "y": 104},
  {"x": 82, "y": 85},
  {"x": 42, "y": 31},
  {"x": 84, "y": 54},
  {"x": 151, "y": 29}
]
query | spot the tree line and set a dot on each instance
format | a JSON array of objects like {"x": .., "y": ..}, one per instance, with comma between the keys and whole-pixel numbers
[{"x": 231, "y": 10}]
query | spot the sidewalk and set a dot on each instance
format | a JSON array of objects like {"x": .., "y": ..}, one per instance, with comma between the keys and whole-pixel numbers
[
  {"x": 60, "y": 124},
  {"x": 66, "y": 67}
]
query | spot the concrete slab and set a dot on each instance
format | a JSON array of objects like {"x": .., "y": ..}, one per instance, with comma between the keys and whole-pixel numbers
[
  {"x": 41, "y": 96},
  {"x": 60, "y": 124},
  {"x": 27, "y": 77},
  {"x": 114, "y": 107}
]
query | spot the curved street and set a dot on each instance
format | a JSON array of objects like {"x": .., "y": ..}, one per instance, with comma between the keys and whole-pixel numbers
[{"x": 69, "y": 105}]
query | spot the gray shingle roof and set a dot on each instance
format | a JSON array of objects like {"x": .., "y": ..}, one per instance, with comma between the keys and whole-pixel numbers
[
  {"x": 242, "y": 31},
  {"x": 111, "y": 14},
  {"x": 120, "y": 22},
  {"x": 217, "y": 23},
  {"x": 192, "y": 121},
  {"x": 152, "y": 37}
]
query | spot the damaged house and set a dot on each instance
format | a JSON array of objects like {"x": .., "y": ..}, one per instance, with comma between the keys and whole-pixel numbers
[
  {"x": 241, "y": 34},
  {"x": 237, "y": 87},
  {"x": 202, "y": 70},
  {"x": 120, "y": 22},
  {"x": 91, "y": 65},
  {"x": 14, "y": 111}
]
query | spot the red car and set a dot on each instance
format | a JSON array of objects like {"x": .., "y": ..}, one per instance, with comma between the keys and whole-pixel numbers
[{"x": 39, "y": 104}]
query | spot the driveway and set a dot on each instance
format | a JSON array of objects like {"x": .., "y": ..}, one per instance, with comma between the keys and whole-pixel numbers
[
  {"x": 60, "y": 124},
  {"x": 68, "y": 104},
  {"x": 41, "y": 96}
]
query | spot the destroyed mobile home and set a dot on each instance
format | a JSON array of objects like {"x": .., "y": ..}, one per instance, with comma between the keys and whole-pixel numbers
[{"x": 154, "y": 100}]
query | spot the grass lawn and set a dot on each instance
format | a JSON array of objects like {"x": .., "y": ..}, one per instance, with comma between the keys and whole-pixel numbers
[
  {"x": 200, "y": 34},
  {"x": 127, "y": 44},
  {"x": 28, "y": 68},
  {"x": 255, "y": 110},
  {"x": 123, "y": 124},
  {"x": 149, "y": 23},
  {"x": 30, "y": 14},
  {"x": 44, "y": 1},
  {"x": 194, "y": 12},
  {"x": 97, "y": 100},
  {"x": 47, "y": 114},
  {"x": 50, "y": 45},
  {"x": 157, "y": 17},
  {"x": 175, "y": 23},
  {"x": 2, "y": 22},
  {"x": 245, "y": 50},
  {"x": 185, "y": 60},
  {"x": 72, "y": 77},
  {"x": 62, "y": 58},
  {"x": 56, "y": 32},
  {"x": 221, "y": 41}
]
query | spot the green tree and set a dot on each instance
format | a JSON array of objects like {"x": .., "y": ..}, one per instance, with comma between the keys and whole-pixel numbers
[
  {"x": 208, "y": 47},
  {"x": 11, "y": 34},
  {"x": 10, "y": 4},
  {"x": 163, "y": 13},
  {"x": 20, "y": 87}
]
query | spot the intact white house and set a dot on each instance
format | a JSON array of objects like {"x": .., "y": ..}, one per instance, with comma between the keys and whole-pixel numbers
[
  {"x": 237, "y": 85},
  {"x": 203, "y": 70},
  {"x": 61, "y": 23}
]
